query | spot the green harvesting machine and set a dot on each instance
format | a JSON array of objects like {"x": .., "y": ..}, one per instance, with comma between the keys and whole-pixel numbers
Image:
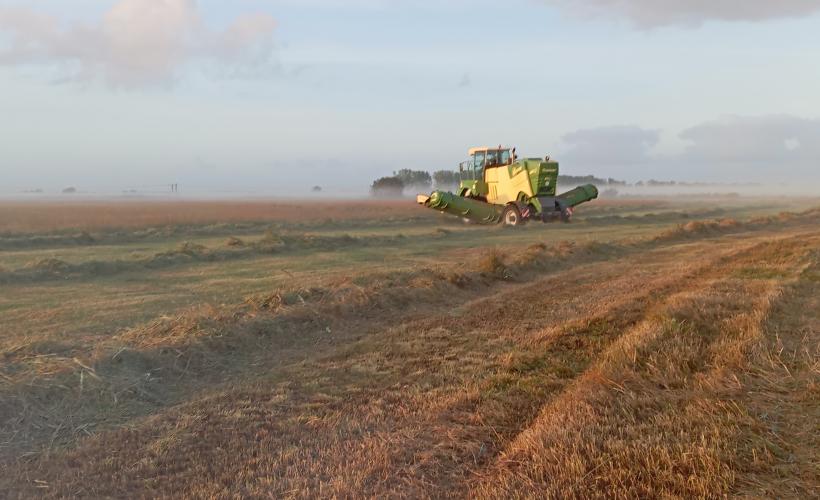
[{"x": 496, "y": 186}]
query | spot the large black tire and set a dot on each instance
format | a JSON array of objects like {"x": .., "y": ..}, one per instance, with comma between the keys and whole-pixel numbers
[{"x": 512, "y": 216}]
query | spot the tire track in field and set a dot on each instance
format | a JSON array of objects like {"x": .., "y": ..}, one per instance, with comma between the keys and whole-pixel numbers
[
  {"x": 781, "y": 392},
  {"x": 621, "y": 427},
  {"x": 423, "y": 440},
  {"x": 492, "y": 411}
]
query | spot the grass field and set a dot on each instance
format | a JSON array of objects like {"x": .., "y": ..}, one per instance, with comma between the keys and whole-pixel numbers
[{"x": 651, "y": 348}]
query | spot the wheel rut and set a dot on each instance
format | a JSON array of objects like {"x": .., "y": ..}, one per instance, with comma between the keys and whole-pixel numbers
[{"x": 631, "y": 409}]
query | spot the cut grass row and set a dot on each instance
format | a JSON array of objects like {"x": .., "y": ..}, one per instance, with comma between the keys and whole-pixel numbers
[
  {"x": 149, "y": 219},
  {"x": 608, "y": 213},
  {"x": 166, "y": 340},
  {"x": 189, "y": 253},
  {"x": 675, "y": 407},
  {"x": 456, "y": 402},
  {"x": 275, "y": 242}
]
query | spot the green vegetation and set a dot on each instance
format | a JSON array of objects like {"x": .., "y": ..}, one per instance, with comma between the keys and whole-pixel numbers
[
  {"x": 446, "y": 179},
  {"x": 415, "y": 178},
  {"x": 387, "y": 187}
]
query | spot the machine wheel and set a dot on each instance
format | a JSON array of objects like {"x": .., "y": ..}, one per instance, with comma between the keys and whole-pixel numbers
[
  {"x": 566, "y": 215},
  {"x": 512, "y": 217}
]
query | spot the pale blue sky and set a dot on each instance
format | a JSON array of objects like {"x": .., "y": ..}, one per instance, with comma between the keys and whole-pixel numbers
[{"x": 337, "y": 93}]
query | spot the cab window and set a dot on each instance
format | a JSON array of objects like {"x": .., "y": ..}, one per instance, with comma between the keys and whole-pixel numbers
[
  {"x": 467, "y": 170},
  {"x": 504, "y": 157},
  {"x": 478, "y": 160}
]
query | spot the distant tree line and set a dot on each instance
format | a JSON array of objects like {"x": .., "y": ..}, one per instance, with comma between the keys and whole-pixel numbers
[
  {"x": 387, "y": 186},
  {"x": 446, "y": 178},
  {"x": 406, "y": 178},
  {"x": 421, "y": 180},
  {"x": 653, "y": 183},
  {"x": 589, "y": 179}
]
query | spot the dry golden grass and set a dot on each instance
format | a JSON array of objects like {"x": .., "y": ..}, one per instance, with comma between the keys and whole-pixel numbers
[
  {"x": 34, "y": 217},
  {"x": 22, "y": 217},
  {"x": 665, "y": 410},
  {"x": 648, "y": 369}
]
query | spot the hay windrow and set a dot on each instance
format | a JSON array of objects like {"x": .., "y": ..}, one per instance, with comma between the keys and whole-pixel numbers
[
  {"x": 699, "y": 228},
  {"x": 416, "y": 375},
  {"x": 492, "y": 264},
  {"x": 203, "y": 339},
  {"x": 186, "y": 253},
  {"x": 84, "y": 224},
  {"x": 282, "y": 241},
  {"x": 612, "y": 393},
  {"x": 233, "y": 241}
]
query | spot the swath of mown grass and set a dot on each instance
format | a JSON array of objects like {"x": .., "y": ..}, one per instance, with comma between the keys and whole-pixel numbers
[
  {"x": 314, "y": 398},
  {"x": 55, "y": 397},
  {"x": 193, "y": 328},
  {"x": 316, "y": 413},
  {"x": 196, "y": 346},
  {"x": 186, "y": 252},
  {"x": 322, "y": 410},
  {"x": 700, "y": 228}
]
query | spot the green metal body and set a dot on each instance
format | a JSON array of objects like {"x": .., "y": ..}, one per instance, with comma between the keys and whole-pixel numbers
[
  {"x": 494, "y": 180},
  {"x": 488, "y": 213},
  {"x": 581, "y": 194},
  {"x": 522, "y": 179},
  {"x": 474, "y": 210}
]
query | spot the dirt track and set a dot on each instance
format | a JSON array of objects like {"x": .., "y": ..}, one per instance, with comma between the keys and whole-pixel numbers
[{"x": 665, "y": 371}]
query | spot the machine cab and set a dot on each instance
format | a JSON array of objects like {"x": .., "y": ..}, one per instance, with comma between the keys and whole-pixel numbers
[
  {"x": 482, "y": 158},
  {"x": 473, "y": 179}
]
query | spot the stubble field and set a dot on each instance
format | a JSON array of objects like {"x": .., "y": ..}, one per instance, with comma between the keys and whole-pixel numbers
[{"x": 651, "y": 348}]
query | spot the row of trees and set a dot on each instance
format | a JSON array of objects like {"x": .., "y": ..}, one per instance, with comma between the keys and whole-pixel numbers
[
  {"x": 589, "y": 179},
  {"x": 417, "y": 179},
  {"x": 395, "y": 184},
  {"x": 420, "y": 180}
]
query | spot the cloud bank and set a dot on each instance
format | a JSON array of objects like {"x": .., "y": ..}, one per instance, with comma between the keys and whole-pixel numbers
[
  {"x": 136, "y": 43},
  {"x": 778, "y": 148},
  {"x": 654, "y": 13},
  {"x": 623, "y": 144}
]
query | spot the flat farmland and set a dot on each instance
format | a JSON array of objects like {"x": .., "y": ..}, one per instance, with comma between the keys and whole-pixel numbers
[
  {"x": 41, "y": 216},
  {"x": 652, "y": 347}
]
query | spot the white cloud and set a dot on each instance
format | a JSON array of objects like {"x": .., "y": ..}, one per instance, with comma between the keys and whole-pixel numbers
[
  {"x": 770, "y": 147},
  {"x": 136, "y": 43},
  {"x": 614, "y": 145},
  {"x": 652, "y": 13},
  {"x": 774, "y": 140},
  {"x": 791, "y": 144}
]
